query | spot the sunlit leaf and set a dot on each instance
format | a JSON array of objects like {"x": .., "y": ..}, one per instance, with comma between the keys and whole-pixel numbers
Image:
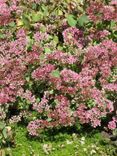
[
  {"x": 55, "y": 73},
  {"x": 37, "y": 16},
  {"x": 83, "y": 20},
  {"x": 71, "y": 20},
  {"x": 4, "y": 133},
  {"x": 47, "y": 50}
]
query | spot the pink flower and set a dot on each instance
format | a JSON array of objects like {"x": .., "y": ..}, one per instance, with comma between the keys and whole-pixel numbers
[
  {"x": 36, "y": 125},
  {"x": 69, "y": 75},
  {"x": 43, "y": 105},
  {"x": 94, "y": 11},
  {"x": 113, "y": 2},
  {"x": 42, "y": 73},
  {"x": 108, "y": 13},
  {"x": 73, "y": 36},
  {"x": 110, "y": 87},
  {"x": 112, "y": 125},
  {"x": 98, "y": 11},
  {"x": 62, "y": 57},
  {"x": 38, "y": 36}
]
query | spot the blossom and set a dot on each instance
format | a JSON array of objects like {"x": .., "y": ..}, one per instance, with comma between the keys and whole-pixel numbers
[
  {"x": 108, "y": 13},
  {"x": 62, "y": 57},
  {"x": 94, "y": 11},
  {"x": 113, "y": 2},
  {"x": 42, "y": 73},
  {"x": 69, "y": 75},
  {"x": 112, "y": 125},
  {"x": 34, "y": 126},
  {"x": 110, "y": 87},
  {"x": 97, "y": 11},
  {"x": 5, "y": 13},
  {"x": 73, "y": 36},
  {"x": 38, "y": 36},
  {"x": 43, "y": 105}
]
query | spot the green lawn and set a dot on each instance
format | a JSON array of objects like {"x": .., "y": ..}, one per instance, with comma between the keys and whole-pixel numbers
[{"x": 62, "y": 144}]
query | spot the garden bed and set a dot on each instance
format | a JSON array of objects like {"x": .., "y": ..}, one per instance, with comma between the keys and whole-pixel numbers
[{"x": 58, "y": 77}]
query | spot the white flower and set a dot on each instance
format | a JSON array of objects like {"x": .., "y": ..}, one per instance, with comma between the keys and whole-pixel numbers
[
  {"x": 84, "y": 149},
  {"x": 83, "y": 138},
  {"x": 47, "y": 148},
  {"x": 93, "y": 152},
  {"x": 69, "y": 142}
]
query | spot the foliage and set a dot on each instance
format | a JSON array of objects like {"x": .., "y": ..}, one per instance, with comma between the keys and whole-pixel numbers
[{"x": 58, "y": 62}]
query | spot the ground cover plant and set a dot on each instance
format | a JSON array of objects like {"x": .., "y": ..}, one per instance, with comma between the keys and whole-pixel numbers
[
  {"x": 70, "y": 143},
  {"x": 58, "y": 66}
]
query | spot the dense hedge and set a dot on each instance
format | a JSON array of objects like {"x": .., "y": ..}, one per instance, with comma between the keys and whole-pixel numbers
[{"x": 58, "y": 64}]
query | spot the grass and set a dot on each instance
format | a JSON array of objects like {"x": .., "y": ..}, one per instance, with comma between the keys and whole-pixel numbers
[{"x": 61, "y": 144}]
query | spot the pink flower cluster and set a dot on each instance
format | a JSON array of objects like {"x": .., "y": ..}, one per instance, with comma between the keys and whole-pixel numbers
[
  {"x": 110, "y": 87},
  {"x": 65, "y": 85},
  {"x": 98, "y": 11},
  {"x": 73, "y": 36},
  {"x": 38, "y": 36},
  {"x": 79, "y": 87},
  {"x": 6, "y": 10},
  {"x": 42, "y": 106},
  {"x": 112, "y": 124},
  {"x": 102, "y": 57},
  {"x": 60, "y": 116},
  {"x": 13, "y": 67},
  {"x": 42, "y": 73},
  {"x": 62, "y": 57},
  {"x": 99, "y": 35},
  {"x": 36, "y": 126},
  {"x": 4, "y": 13}
]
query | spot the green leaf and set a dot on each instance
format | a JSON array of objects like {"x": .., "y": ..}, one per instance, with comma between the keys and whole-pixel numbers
[
  {"x": 113, "y": 24},
  {"x": 2, "y": 125},
  {"x": 51, "y": 91},
  {"x": 2, "y": 36},
  {"x": 55, "y": 73},
  {"x": 49, "y": 119},
  {"x": 26, "y": 21},
  {"x": 43, "y": 29},
  {"x": 29, "y": 42},
  {"x": 37, "y": 16},
  {"x": 83, "y": 20},
  {"x": 1, "y": 136},
  {"x": 47, "y": 50},
  {"x": 60, "y": 47},
  {"x": 55, "y": 39},
  {"x": 60, "y": 13},
  {"x": 56, "y": 101},
  {"x": 91, "y": 103},
  {"x": 12, "y": 24},
  {"x": 71, "y": 20},
  {"x": 42, "y": 56},
  {"x": 4, "y": 133},
  {"x": 34, "y": 6},
  {"x": 115, "y": 33},
  {"x": 38, "y": 100},
  {"x": 45, "y": 10}
]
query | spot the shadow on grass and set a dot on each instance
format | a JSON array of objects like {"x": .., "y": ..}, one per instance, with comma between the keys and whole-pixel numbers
[{"x": 61, "y": 134}]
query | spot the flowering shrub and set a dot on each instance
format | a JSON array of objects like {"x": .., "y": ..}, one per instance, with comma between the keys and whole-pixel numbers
[{"x": 57, "y": 70}]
